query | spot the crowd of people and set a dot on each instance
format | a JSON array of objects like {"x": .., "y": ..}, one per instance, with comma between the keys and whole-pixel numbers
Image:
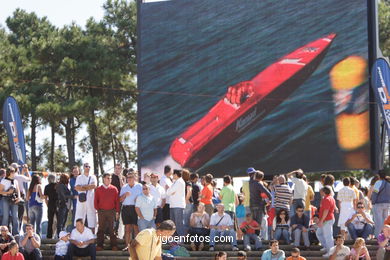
[{"x": 178, "y": 203}]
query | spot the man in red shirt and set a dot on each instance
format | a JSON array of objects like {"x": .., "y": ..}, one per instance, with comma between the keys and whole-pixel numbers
[
  {"x": 107, "y": 206},
  {"x": 326, "y": 220},
  {"x": 250, "y": 227}
]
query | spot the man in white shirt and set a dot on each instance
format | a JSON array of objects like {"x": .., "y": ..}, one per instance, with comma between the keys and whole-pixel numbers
[
  {"x": 86, "y": 183},
  {"x": 158, "y": 192},
  {"x": 146, "y": 208},
  {"x": 221, "y": 225},
  {"x": 360, "y": 224},
  {"x": 177, "y": 201},
  {"x": 166, "y": 183},
  {"x": 82, "y": 241},
  {"x": 300, "y": 189},
  {"x": 23, "y": 179},
  {"x": 339, "y": 251}
]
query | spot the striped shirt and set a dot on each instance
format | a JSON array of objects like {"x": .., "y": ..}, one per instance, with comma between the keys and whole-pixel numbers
[{"x": 283, "y": 196}]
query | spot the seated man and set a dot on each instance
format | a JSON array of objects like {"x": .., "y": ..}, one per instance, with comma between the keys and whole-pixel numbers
[
  {"x": 82, "y": 241},
  {"x": 339, "y": 251},
  {"x": 13, "y": 252},
  {"x": 274, "y": 253},
  {"x": 295, "y": 253},
  {"x": 360, "y": 224},
  {"x": 300, "y": 227},
  {"x": 221, "y": 224},
  {"x": 250, "y": 227},
  {"x": 148, "y": 243},
  {"x": 5, "y": 239},
  {"x": 29, "y": 244}
]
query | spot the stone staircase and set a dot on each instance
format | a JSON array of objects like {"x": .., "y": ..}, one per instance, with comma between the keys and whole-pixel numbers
[{"x": 312, "y": 253}]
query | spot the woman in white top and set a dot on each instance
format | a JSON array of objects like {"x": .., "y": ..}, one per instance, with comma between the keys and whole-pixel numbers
[
  {"x": 347, "y": 205},
  {"x": 199, "y": 225},
  {"x": 9, "y": 190}
]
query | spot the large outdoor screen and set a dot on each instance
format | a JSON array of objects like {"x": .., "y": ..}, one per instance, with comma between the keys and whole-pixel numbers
[{"x": 275, "y": 85}]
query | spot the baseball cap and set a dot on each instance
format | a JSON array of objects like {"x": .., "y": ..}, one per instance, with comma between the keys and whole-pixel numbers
[
  {"x": 250, "y": 170},
  {"x": 62, "y": 234}
]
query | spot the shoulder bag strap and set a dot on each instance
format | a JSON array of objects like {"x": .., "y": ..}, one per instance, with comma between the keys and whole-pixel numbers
[
  {"x": 220, "y": 220},
  {"x": 89, "y": 179}
]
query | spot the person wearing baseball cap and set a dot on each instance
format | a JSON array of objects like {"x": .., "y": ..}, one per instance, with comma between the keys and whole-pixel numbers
[{"x": 62, "y": 246}]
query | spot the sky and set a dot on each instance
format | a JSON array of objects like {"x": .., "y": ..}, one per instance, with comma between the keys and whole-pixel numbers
[{"x": 59, "y": 12}]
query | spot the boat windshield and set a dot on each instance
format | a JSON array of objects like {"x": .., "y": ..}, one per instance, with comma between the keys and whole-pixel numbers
[{"x": 239, "y": 93}]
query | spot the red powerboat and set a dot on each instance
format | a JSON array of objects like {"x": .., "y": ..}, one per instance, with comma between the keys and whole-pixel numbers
[{"x": 246, "y": 103}]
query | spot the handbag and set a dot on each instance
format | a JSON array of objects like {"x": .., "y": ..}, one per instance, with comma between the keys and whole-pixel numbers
[{"x": 83, "y": 196}]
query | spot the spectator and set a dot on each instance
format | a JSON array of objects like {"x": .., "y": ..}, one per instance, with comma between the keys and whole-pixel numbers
[
  {"x": 329, "y": 181},
  {"x": 313, "y": 230},
  {"x": 9, "y": 188},
  {"x": 64, "y": 197},
  {"x": 188, "y": 197},
  {"x": 309, "y": 198},
  {"x": 339, "y": 251},
  {"x": 166, "y": 183},
  {"x": 295, "y": 254},
  {"x": 86, "y": 184},
  {"x": 274, "y": 253},
  {"x": 199, "y": 226},
  {"x": 107, "y": 205},
  {"x": 241, "y": 255},
  {"x": 281, "y": 226},
  {"x": 257, "y": 203},
  {"x": 359, "y": 250},
  {"x": 146, "y": 208},
  {"x": 35, "y": 203},
  {"x": 347, "y": 203},
  {"x": 366, "y": 201},
  {"x": 283, "y": 195},
  {"x": 128, "y": 195},
  {"x": 215, "y": 199},
  {"x": 2, "y": 176},
  {"x": 381, "y": 201},
  {"x": 194, "y": 178},
  {"x": 221, "y": 224},
  {"x": 246, "y": 189},
  {"x": 300, "y": 227},
  {"x": 177, "y": 201},
  {"x": 30, "y": 243},
  {"x": 300, "y": 189},
  {"x": 354, "y": 184},
  {"x": 5, "y": 239},
  {"x": 360, "y": 224},
  {"x": 72, "y": 181},
  {"x": 62, "y": 246},
  {"x": 326, "y": 220},
  {"x": 148, "y": 243},
  {"x": 13, "y": 253},
  {"x": 158, "y": 193},
  {"x": 82, "y": 241},
  {"x": 206, "y": 195},
  {"x": 251, "y": 229},
  {"x": 23, "y": 179},
  {"x": 372, "y": 185},
  {"x": 383, "y": 241},
  {"x": 228, "y": 197},
  {"x": 51, "y": 203},
  {"x": 221, "y": 256},
  {"x": 117, "y": 181},
  {"x": 240, "y": 214}
]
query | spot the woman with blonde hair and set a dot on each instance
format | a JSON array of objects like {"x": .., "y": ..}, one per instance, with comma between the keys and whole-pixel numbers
[{"x": 359, "y": 250}]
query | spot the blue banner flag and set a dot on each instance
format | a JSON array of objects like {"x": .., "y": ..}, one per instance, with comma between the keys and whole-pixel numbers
[
  {"x": 380, "y": 81},
  {"x": 13, "y": 125}
]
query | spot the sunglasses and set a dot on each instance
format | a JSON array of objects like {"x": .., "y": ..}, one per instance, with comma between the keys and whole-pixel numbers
[
  {"x": 144, "y": 188},
  {"x": 299, "y": 210},
  {"x": 360, "y": 207},
  {"x": 87, "y": 166}
]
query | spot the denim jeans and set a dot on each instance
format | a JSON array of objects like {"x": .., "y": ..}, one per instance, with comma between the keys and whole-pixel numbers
[
  {"x": 36, "y": 254},
  {"x": 144, "y": 224},
  {"x": 325, "y": 235},
  {"x": 282, "y": 234},
  {"x": 297, "y": 237},
  {"x": 62, "y": 215},
  {"x": 230, "y": 235},
  {"x": 187, "y": 215},
  {"x": 35, "y": 214},
  {"x": 264, "y": 228},
  {"x": 380, "y": 212},
  {"x": 254, "y": 237},
  {"x": 257, "y": 214},
  {"x": 363, "y": 233},
  {"x": 177, "y": 216},
  {"x": 7, "y": 207}
]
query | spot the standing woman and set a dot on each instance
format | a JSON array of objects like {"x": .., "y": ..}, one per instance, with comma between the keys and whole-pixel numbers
[
  {"x": 64, "y": 196},
  {"x": 35, "y": 203},
  {"x": 11, "y": 196},
  {"x": 72, "y": 181}
]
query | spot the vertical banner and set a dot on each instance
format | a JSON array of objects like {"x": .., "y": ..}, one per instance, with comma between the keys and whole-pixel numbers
[
  {"x": 381, "y": 83},
  {"x": 13, "y": 125}
]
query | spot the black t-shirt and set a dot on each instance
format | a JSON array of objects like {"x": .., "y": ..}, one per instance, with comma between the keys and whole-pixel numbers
[
  {"x": 195, "y": 193},
  {"x": 50, "y": 191},
  {"x": 116, "y": 182},
  {"x": 6, "y": 240}
]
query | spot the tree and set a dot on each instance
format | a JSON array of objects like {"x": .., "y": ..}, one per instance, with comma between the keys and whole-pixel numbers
[{"x": 384, "y": 27}]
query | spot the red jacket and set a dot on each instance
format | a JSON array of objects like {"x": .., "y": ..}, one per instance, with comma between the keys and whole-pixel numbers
[
  {"x": 7, "y": 256},
  {"x": 107, "y": 198}
]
